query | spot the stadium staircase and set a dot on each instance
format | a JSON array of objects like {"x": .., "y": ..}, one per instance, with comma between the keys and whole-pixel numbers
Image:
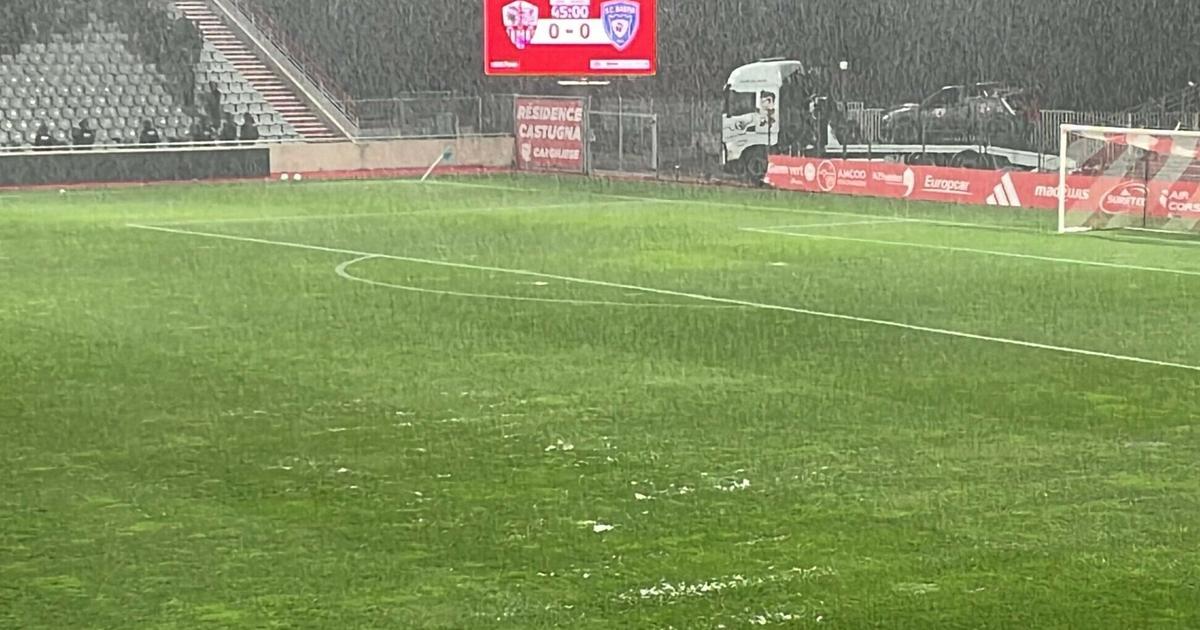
[{"x": 278, "y": 94}]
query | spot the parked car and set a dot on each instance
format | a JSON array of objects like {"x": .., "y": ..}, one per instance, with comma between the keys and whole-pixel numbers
[{"x": 992, "y": 112}]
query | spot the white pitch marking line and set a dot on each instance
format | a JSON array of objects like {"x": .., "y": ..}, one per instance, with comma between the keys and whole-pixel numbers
[
  {"x": 838, "y": 224},
  {"x": 342, "y": 272},
  {"x": 829, "y": 213},
  {"x": 435, "y": 211},
  {"x": 971, "y": 250},
  {"x": 1170, "y": 241},
  {"x": 695, "y": 296},
  {"x": 434, "y": 182}
]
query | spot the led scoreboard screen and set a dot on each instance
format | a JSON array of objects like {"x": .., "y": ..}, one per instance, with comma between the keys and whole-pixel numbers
[{"x": 570, "y": 38}]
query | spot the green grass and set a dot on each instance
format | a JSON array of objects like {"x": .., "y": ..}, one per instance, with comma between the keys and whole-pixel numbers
[{"x": 208, "y": 433}]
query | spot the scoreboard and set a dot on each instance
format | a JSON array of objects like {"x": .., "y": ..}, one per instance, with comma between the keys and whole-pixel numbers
[{"x": 570, "y": 38}]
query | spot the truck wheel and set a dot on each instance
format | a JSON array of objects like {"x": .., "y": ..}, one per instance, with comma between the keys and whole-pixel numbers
[
  {"x": 755, "y": 164},
  {"x": 973, "y": 160},
  {"x": 967, "y": 159}
]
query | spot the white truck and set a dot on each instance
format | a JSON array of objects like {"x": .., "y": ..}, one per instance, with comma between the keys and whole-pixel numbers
[{"x": 781, "y": 106}]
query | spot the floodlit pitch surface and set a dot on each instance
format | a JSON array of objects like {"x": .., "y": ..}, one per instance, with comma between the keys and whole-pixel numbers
[{"x": 521, "y": 403}]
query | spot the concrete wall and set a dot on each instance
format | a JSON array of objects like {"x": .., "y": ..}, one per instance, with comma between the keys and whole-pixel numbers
[{"x": 346, "y": 158}]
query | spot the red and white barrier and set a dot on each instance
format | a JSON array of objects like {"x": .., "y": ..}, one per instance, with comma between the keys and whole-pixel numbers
[{"x": 1012, "y": 189}]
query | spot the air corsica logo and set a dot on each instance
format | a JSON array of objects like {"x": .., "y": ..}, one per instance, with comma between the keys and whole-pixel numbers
[
  {"x": 621, "y": 19},
  {"x": 1178, "y": 201},
  {"x": 520, "y": 22}
]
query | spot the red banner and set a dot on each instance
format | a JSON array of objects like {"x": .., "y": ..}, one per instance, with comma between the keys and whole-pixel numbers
[
  {"x": 1013, "y": 189},
  {"x": 550, "y": 134},
  {"x": 572, "y": 38}
]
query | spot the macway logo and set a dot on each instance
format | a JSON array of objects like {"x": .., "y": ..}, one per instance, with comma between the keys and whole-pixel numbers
[
  {"x": 1051, "y": 192},
  {"x": 1005, "y": 194}
]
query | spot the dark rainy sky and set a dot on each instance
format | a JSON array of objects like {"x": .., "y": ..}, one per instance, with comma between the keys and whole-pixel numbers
[{"x": 1084, "y": 54}]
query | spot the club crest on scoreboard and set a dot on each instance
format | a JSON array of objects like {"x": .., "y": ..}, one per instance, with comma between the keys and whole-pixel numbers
[
  {"x": 621, "y": 19},
  {"x": 520, "y": 22}
]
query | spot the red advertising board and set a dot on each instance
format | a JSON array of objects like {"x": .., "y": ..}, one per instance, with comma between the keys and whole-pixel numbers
[
  {"x": 1112, "y": 195},
  {"x": 549, "y": 134},
  {"x": 570, "y": 38}
]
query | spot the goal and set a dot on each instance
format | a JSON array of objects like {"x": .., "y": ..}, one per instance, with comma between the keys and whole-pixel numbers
[{"x": 1114, "y": 178}]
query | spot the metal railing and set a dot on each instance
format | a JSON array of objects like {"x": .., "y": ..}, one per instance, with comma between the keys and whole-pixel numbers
[
  {"x": 433, "y": 114},
  {"x": 1052, "y": 121},
  {"x": 312, "y": 69}
]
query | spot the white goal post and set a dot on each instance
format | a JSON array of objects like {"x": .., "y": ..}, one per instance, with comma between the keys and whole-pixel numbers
[{"x": 1133, "y": 179}]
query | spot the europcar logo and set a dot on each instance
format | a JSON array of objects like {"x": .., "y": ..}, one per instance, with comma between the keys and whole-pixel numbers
[
  {"x": 1124, "y": 197},
  {"x": 827, "y": 176}
]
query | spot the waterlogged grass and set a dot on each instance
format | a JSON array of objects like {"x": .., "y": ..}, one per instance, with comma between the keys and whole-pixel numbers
[{"x": 604, "y": 413}]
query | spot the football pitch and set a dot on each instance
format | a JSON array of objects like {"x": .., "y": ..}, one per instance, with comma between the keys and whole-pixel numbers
[{"x": 533, "y": 403}]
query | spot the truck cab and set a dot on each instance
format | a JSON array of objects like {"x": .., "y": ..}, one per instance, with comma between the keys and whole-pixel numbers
[
  {"x": 759, "y": 98},
  {"x": 777, "y": 106}
]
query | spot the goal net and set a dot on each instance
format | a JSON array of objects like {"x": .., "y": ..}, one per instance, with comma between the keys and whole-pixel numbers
[{"x": 1135, "y": 179}]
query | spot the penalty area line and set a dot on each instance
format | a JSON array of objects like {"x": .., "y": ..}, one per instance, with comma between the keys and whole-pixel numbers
[
  {"x": 343, "y": 271},
  {"x": 735, "y": 206},
  {"x": 883, "y": 323},
  {"x": 806, "y": 226},
  {"x": 403, "y": 213},
  {"x": 971, "y": 250}
]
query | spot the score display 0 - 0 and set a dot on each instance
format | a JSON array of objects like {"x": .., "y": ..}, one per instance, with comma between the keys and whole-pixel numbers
[{"x": 574, "y": 38}]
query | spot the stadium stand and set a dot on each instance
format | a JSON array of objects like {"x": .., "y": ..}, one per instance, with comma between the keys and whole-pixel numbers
[
  {"x": 112, "y": 66},
  {"x": 238, "y": 97}
]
